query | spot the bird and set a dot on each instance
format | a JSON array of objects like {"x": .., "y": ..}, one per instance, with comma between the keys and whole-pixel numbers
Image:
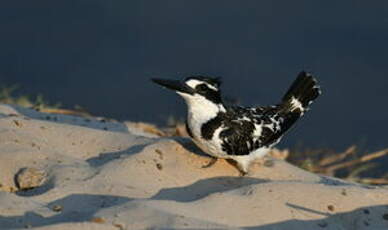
[{"x": 240, "y": 134}]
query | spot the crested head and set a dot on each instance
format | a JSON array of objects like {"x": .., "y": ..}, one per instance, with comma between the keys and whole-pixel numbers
[
  {"x": 204, "y": 87},
  {"x": 195, "y": 88},
  {"x": 212, "y": 82}
]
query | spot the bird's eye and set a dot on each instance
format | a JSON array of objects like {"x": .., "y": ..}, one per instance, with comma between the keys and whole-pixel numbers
[{"x": 201, "y": 88}]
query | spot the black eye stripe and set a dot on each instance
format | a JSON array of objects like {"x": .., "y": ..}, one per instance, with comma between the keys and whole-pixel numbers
[
  {"x": 213, "y": 81},
  {"x": 202, "y": 87}
]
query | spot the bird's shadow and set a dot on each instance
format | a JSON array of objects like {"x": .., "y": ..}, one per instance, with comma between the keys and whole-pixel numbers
[
  {"x": 105, "y": 158},
  {"x": 205, "y": 187}
]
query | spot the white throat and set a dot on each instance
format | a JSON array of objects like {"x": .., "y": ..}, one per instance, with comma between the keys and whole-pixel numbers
[{"x": 200, "y": 110}]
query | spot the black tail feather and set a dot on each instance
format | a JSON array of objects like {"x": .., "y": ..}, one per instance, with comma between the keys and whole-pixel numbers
[{"x": 304, "y": 90}]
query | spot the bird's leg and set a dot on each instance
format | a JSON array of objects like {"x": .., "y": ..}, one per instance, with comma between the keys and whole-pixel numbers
[
  {"x": 212, "y": 161},
  {"x": 242, "y": 173},
  {"x": 238, "y": 166}
]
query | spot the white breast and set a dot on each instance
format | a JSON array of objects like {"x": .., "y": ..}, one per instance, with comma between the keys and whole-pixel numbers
[
  {"x": 200, "y": 111},
  {"x": 212, "y": 147}
]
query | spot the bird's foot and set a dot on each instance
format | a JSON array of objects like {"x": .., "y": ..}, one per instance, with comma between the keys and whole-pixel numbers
[
  {"x": 212, "y": 161},
  {"x": 242, "y": 173},
  {"x": 238, "y": 167}
]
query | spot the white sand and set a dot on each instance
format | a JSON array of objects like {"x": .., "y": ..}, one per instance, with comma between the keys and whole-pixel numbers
[{"x": 106, "y": 175}]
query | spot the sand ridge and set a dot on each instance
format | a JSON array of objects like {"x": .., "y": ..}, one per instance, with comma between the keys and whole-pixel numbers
[{"x": 111, "y": 175}]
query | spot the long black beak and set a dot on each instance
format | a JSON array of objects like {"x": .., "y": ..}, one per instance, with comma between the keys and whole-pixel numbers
[{"x": 174, "y": 85}]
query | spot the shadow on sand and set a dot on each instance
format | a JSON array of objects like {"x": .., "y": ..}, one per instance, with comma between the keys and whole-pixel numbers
[
  {"x": 76, "y": 208},
  {"x": 205, "y": 187},
  {"x": 83, "y": 207},
  {"x": 368, "y": 217}
]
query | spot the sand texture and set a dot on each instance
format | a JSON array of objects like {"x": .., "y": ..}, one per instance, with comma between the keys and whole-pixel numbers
[{"x": 64, "y": 172}]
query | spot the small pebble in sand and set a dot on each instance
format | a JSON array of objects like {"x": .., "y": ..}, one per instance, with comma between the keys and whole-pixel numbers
[
  {"x": 159, "y": 166},
  {"x": 29, "y": 178},
  {"x": 17, "y": 123},
  {"x": 343, "y": 192},
  {"x": 160, "y": 153},
  {"x": 57, "y": 208},
  {"x": 98, "y": 220},
  {"x": 119, "y": 226},
  {"x": 330, "y": 207}
]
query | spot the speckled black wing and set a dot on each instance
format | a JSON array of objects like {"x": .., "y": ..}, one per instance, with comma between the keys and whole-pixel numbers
[
  {"x": 282, "y": 122},
  {"x": 249, "y": 129}
]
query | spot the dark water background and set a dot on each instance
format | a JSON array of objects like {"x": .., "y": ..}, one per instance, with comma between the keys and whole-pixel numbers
[{"x": 100, "y": 54}]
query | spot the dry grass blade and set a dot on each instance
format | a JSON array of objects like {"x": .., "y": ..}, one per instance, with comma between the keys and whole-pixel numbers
[
  {"x": 354, "y": 173},
  {"x": 338, "y": 157},
  {"x": 374, "y": 155},
  {"x": 351, "y": 163},
  {"x": 150, "y": 128},
  {"x": 65, "y": 112},
  {"x": 373, "y": 181}
]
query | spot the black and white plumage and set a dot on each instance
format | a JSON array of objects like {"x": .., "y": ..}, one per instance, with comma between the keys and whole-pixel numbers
[{"x": 241, "y": 134}]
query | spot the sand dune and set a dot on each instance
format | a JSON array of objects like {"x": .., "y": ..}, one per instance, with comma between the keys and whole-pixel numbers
[{"x": 64, "y": 172}]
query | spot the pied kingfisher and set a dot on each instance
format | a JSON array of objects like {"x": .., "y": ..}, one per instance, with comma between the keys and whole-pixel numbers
[{"x": 238, "y": 133}]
